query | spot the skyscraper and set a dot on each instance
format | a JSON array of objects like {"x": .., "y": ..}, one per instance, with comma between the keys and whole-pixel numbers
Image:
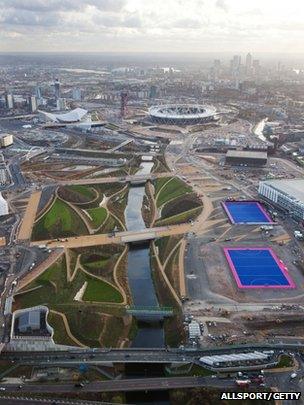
[
  {"x": 57, "y": 89},
  {"x": 9, "y": 101},
  {"x": 248, "y": 63},
  {"x": 256, "y": 66},
  {"x": 77, "y": 94},
  {"x": 235, "y": 64},
  {"x": 32, "y": 103}
]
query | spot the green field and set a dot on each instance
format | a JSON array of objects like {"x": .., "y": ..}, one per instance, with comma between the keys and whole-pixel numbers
[
  {"x": 174, "y": 188},
  {"x": 59, "y": 221},
  {"x": 60, "y": 334},
  {"x": 54, "y": 289},
  {"x": 83, "y": 190},
  {"x": 180, "y": 218},
  {"x": 160, "y": 182},
  {"x": 97, "y": 264},
  {"x": 101, "y": 292},
  {"x": 98, "y": 215},
  {"x": 96, "y": 320}
]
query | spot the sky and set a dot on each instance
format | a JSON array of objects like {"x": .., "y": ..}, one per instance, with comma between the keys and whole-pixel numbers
[{"x": 152, "y": 25}]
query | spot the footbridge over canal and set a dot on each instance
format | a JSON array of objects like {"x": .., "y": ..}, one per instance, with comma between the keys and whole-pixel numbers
[{"x": 149, "y": 311}]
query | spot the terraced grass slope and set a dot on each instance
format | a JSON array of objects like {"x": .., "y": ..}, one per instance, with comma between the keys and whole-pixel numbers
[
  {"x": 98, "y": 215},
  {"x": 172, "y": 189},
  {"x": 176, "y": 201},
  {"x": 52, "y": 288},
  {"x": 78, "y": 194},
  {"x": 59, "y": 221},
  {"x": 87, "y": 319}
]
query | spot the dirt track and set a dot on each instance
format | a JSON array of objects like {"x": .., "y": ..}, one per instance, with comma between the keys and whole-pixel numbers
[{"x": 26, "y": 227}]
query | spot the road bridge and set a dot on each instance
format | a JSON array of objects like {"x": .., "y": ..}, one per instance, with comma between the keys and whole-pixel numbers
[
  {"x": 138, "y": 384},
  {"x": 121, "y": 145},
  {"x": 137, "y": 355},
  {"x": 117, "y": 237},
  {"x": 123, "y": 179}
]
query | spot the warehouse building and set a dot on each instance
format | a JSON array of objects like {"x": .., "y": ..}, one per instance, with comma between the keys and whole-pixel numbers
[
  {"x": 246, "y": 158},
  {"x": 287, "y": 194}
]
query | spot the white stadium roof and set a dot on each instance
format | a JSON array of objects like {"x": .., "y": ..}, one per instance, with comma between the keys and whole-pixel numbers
[
  {"x": 182, "y": 111},
  {"x": 71, "y": 116}
]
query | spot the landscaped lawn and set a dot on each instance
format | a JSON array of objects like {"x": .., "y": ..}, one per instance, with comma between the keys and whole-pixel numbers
[
  {"x": 59, "y": 221},
  {"x": 54, "y": 289},
  {"x": 174, "y": 188},
  {"x": 180, "y": 218},
  {"x": 98, "y": 215},
  {"x": 160, "y": 182},
  {"x": 100, "y": 291},
  {"x": 83, "y": 190},
  {"x": 97, "y": 264},
  {"x": 60, "y": 334}
]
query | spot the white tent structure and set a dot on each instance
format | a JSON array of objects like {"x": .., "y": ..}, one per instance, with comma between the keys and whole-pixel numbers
[
  {"x": 75, "y": 115},
  {"x": 3, "y": 206}
]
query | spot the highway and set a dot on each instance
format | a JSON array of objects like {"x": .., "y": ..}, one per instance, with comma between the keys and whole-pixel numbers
[
  {"x": 138, "y": 384},
  {"x": 137, "y": 355}
]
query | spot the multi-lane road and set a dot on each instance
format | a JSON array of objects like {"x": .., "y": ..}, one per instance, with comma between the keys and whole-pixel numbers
[{"x": 138, "y": 384}]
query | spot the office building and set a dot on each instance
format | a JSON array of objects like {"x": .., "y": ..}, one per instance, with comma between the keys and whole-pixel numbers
[
  {"x": 248, "y": 63},
  {"x": 77, "y": 94},
  {"x": 9, "y": 101},
  {"x": 32, "y": 103},
  {"x": 6, "y": 140},
  {"x": 57, "y": 89}
]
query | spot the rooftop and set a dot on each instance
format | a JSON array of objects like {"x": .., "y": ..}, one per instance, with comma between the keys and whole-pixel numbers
[
  {"x": 292, "y": 187},
  {"x": 246, "y": 154}
]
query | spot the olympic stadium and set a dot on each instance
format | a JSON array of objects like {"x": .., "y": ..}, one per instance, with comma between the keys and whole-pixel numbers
[{"x": 182, "y": 114}]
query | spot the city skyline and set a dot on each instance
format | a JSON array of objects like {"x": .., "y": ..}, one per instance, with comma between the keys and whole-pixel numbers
[{"x": 136, "y": 26}]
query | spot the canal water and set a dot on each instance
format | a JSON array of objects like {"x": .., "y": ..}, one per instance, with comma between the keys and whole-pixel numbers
[{"x": 150, "y": 331}]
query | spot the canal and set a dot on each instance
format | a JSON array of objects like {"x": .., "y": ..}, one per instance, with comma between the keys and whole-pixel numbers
[{"x": 150, "y": 331}]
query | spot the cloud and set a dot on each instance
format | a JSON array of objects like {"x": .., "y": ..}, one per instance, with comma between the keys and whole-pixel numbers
[
  {"x": 222, "y": 5},
  {"x": 30, "y": 19},
  {"x": 187, "y": 23},
  {"x": 61, "y": 5},
  {"x": 163, "y": 25}
]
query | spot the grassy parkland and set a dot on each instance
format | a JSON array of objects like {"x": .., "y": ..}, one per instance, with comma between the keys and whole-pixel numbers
[
  {"x": 77, "y": 210},
  {"x": 176, "y": 202},
  {"x": 85, "y": 296}
]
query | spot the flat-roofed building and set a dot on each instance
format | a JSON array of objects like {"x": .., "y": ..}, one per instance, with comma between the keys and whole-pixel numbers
[
  {"x": 29, "y": 321},
  {"x": 287, "y": 194},
  {"x": 6, "y": 140},
  {"x": 246, "y": 158}
]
